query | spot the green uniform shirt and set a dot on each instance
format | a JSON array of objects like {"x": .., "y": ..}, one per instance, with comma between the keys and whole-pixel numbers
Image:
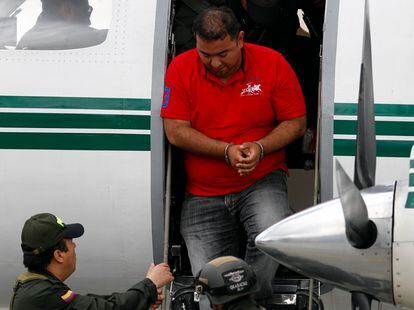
[{"x": 35, "y": 291}]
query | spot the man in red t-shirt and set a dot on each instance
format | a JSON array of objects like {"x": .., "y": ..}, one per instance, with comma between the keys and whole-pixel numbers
[{"x": 232, "y": 107}]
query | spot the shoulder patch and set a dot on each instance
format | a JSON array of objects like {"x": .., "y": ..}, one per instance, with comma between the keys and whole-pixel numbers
[
  {"x": 166, "y": 99},
  {"x": 68, "y": 296}
]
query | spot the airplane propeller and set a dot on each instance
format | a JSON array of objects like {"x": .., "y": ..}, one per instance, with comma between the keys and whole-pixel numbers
[
  {"x": 365, "y": 157},
  {"x": 361, "y": 232}
]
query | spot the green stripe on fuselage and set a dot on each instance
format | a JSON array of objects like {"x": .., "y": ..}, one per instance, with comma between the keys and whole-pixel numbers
[
  {"x": 75, "y": 103},
  {"x": 395, "y": 148},
  {"x": 410, "y": 201},
  {"x": 402, "y": 110},
  {"x": 74, "y": 141},
  {"x": 52, "y": 120},
  {"x": 349, "y": 127},
  {"x": 411, "y": 180},
  {"x": 344, "y": 147}
]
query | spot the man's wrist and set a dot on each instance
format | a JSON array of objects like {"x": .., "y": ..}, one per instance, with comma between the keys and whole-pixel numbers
[
  {"x": 226, "y": 154},
  {"x": 261, "y": 149},
  {"x": 151, "y": 286}
]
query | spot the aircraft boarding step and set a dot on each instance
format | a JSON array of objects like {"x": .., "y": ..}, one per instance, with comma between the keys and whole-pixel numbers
[{"x": 290, "y": 293}]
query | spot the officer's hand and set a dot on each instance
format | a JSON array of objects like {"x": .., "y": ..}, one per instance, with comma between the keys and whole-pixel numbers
[
  {"x": 160, "y": 274},
  {"x": 250, "y": 159}
]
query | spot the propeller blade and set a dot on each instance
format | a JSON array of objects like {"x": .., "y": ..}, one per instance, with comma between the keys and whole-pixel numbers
[
  {"x": 365, "y": 159},
  {"x": 361, "y": 301},
  {"x": 360, "y": 231}
]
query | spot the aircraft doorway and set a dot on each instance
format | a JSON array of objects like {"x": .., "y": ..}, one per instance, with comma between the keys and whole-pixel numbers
[{"x": 301, "y": 47}]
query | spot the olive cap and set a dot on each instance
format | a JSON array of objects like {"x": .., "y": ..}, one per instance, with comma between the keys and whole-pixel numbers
[{"x": 43, "y": 231}]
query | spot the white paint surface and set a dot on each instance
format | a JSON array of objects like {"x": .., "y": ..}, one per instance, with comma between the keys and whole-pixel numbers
[{"x": 108, "y": 192}]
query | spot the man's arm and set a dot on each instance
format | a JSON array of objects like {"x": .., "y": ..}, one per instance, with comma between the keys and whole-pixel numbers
[
  {"x": 181, "y": 134},
  {"x": 283, "y": 134},
  {"x": 142, "y": 295}
]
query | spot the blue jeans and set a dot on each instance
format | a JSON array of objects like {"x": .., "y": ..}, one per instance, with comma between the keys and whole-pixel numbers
[{"x": 211, "y": 226}]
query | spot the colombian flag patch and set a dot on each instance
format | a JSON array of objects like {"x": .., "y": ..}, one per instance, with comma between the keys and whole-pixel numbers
[{"x": 68, "y": 296}]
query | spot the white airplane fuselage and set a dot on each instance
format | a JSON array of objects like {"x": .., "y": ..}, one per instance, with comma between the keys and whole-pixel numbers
[{"x": 81, "y": 136}]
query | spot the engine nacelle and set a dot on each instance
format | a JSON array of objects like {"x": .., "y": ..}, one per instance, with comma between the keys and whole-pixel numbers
[{"x": 313, "y": 242}]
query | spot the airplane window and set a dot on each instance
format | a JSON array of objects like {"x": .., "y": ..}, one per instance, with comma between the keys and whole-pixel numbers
[{"x": 53, "y": 24}]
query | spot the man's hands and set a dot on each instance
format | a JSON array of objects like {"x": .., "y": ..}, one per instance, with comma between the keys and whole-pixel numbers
[
  {"x": 160, "y": 274},
  {"x": 244, "y": 157}
]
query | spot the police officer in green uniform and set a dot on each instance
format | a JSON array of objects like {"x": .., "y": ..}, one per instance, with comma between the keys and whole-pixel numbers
[
  {"x": 229, "y": 283},
  {"x": 49, "y": 254}
]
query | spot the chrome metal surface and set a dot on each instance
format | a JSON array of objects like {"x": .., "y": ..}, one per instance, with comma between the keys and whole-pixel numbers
[
  {"x": 326, "y": 108},
  {"x": 403, "y": 247},
  {"x": 313, "y": 243},
  {"x": 162, "y": 24},
  {"x": 359, "y": 231}
]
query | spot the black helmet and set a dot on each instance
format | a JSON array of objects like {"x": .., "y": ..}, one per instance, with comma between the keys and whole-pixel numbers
[{"x": 225, "y": 279}]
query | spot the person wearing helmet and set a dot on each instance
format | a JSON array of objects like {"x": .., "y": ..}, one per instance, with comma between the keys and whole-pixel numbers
[
  {"x": 229, "y": 283},
  {"x": 49, "y": 254}
]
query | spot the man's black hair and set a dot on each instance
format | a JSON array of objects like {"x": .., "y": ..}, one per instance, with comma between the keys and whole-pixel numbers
[
  {"x": 215, "y": 24},
  {"x": 40, "y": 262}
]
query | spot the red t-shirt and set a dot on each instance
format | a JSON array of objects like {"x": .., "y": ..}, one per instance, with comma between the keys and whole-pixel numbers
[{"x": 264, "y": 92}]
